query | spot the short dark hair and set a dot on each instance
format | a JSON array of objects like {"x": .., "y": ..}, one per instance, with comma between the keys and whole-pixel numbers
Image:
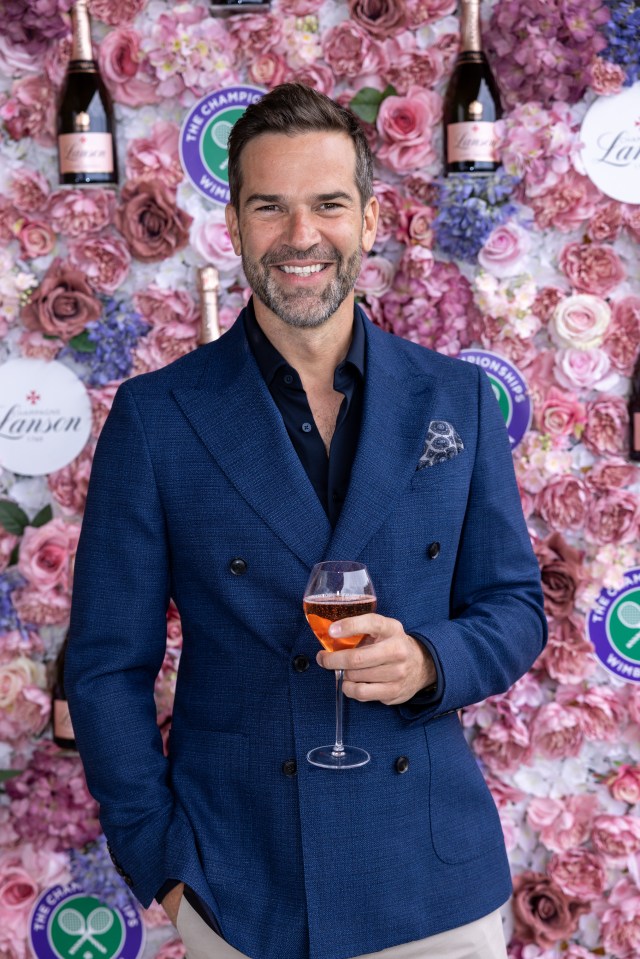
[{"x": 292, "y": 108}]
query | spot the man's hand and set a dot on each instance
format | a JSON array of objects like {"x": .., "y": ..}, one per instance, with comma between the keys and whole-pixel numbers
[
  {"x": 171, "y": 902},
  {"x": 387, "y": 666}
]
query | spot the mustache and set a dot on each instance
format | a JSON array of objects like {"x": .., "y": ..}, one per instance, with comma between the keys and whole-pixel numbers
[{"x": 313, "y": 253}]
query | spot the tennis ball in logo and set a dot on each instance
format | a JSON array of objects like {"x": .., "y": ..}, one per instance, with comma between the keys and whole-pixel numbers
[
  {"x": 503, "y": 398},
  {"x": 84, "y": 928},
  {"x": 623, "y": 625},
  {"x": 215, "y": 139}
]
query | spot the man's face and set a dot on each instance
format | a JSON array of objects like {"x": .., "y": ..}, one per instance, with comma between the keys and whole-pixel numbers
[{"x": 300, "y": 227}]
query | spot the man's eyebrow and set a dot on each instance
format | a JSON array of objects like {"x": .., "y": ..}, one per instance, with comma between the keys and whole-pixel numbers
[{"x": 318, "y": 197}]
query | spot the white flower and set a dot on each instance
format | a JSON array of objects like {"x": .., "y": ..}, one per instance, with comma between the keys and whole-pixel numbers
[{"x": 580, "y": 321}]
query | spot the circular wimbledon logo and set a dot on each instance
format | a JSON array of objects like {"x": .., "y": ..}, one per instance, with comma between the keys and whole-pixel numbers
[
  {"x": 204, "y": 137},
  {"x": 66, "y": 923},
  {"x": 510, "y": 390},
  {"x": 613, "y": 626}
]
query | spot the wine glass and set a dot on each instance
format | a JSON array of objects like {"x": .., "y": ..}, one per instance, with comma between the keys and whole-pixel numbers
[{"x": 337, "y": 590}]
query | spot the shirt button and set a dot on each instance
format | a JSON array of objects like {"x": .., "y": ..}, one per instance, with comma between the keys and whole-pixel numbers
[
  {"x": 289, "y": 767},
  {"x": 433, "y": 550},
  {"x": 300, "y": 664},
  {"x": 288, "y": 379},
  {"x": 307, "y": 427},
  {"x": 402, "y": 764},
  {"x": 238, "y": 566}
]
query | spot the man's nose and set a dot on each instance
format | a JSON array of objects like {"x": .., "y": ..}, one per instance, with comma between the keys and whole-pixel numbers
[{"x": 302, "y": 232}]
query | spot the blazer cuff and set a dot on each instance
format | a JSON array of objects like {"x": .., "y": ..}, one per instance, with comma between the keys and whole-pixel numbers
[
  {"x": 425, "y": 699},
  {"x": 166, "y": 887}
]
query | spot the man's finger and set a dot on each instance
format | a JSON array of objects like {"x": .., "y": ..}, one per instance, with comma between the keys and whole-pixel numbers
[
  {"x": 371, "y": 624},
  {"x": 387, "y": 693},
  {"x": 360, "y": 657}
]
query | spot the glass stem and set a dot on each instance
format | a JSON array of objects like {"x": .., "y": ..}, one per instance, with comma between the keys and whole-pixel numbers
[{"x": 338, "y": 749}]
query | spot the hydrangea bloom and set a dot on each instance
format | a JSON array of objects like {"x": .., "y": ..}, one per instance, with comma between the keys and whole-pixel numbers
[
  {"x": 470, "y": 208},
  {"x": 623, "y": 35},
  {"x": 115, "y": 336},
  {"x": 93, "y": 870}
]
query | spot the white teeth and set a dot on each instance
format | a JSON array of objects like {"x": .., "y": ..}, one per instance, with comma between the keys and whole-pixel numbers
[{"x": 303, "y": 270}]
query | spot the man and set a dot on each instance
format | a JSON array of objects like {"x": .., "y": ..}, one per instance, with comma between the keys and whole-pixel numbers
[{"x": 305, "y": 433}]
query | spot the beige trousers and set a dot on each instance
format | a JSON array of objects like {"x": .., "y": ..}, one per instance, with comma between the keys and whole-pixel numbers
[{"x": 482, "y": 939}]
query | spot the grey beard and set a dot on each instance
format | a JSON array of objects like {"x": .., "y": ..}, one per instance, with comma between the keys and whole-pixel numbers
[{"x": 303, "y": 309}]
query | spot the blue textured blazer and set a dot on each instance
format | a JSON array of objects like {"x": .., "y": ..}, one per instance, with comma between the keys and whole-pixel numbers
[{"x": 194, "y": 469}]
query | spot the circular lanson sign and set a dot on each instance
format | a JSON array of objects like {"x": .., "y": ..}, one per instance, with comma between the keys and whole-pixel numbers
[
  {"x": 613, "y": 626},
  {"x": 45, "y": 416},
  {"x": 66, "y": 923},
  {"x": 204, "y": 136},
  {"x": 610, "y": 152},
  {"x": 510, "y": 390}
]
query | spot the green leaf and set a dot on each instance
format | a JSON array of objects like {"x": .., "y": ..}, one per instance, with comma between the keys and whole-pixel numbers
[
  {"x": 50, "y": 336},
  {"x": 12, "y": 518},
  {"x": 366, "y": 102},
  {"x": 9, "y": 774},
  {"x": 15, "y": 555},
  {"x": 82, "y": 343},
  {"x": 44, "y": 516}
]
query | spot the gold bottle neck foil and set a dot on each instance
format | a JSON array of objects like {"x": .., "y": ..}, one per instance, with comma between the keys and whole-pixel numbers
[
  {"x": 209, "y": 285},
  {"x": 470, "y": 40},
  {"x": 81, "y": 47}
]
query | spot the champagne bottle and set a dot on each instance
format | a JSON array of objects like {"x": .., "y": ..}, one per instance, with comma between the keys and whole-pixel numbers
[
  {"x": 86, "y": 144},
  {"x": 63, "y": 734},
  {"x": 209, "y": 284},
  {"x": 471, "y": 104},
  {"x": 634, "y": 414}
]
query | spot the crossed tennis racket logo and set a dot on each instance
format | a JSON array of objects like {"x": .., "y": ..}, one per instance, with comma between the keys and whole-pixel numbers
[
  {"x": 220, "y": 136},
  {"x": 97, "y": 923},
  {"x": 629, "y": 615}
]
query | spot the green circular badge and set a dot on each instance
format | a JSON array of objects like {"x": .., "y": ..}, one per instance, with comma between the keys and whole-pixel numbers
[
  {"x": 214, "y": 142},
  {"x": 86, "y": 928},
  {"x": 623, "y": 625}
]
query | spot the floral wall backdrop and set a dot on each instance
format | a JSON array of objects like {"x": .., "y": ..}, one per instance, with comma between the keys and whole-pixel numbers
[{"x": 534, "y": 263}]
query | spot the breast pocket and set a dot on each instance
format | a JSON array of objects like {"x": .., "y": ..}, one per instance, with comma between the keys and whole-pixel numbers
[{"x": 464, "y": 819}]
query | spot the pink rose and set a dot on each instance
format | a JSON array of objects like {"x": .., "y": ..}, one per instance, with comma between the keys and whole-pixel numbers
[
  {"x": 70, "y": 484},
  {"x": 41, "y": 609},
  {"x": 504, "y": 745},
  {"x": 546, "y": 301},
  {"x": 616, "y": 837},
  {"x": 631, "y": 217},
  {"x": 606, "y": 78},
  {"x": 36, "y": 238},
  {"x": 376, "y": 276},
  {"x": 614, "y": 473},
  {"x": 419, "y": 220},
  {"x": 566, "y": 204},
  {"x": 410, "y": 66},
  {"x": 151, "y": 222},
  {"x": 621, "y": 921},
  {"x": 316, "y": 75},
  {"x": 268, "y": 69},
  {"x": 381, "y": 18},
  {"x": 163, "y": 345},
  {"x": 613, "y": 518},
  {"x": 104, "y": 259},
  {"x": 543, "y": 913},
  {"x": 406, "y": 127},
  {"x": 592, "y": 268},
  {"x": 30, "y": 110},
  {"x": 607, "y": 425},
  {"x": 351, "y": 52},
  {"x": 126, "y": 70},
  {"x": 599, "y": 709},
  {"x": 56, "y": 61},
  {"x": 162, "y": 307},
  {"x": 556, "y": 732},
  {"x": 579, "y": 873},
  {"x": 582, "y": 369},
  {"x": 568, "y": 656},
  {"x": 606, "y": 222},
  {"x": 101, "y": 403},
  {"x": 561, "y": 414},
  {"x": 580, "y": 321},
  {"x": 561, "y": 572},
  {"x": 115, "y": 12},
  {"x": 210, "y": 239},
  {"x": 624, "y": 784},
  {"x": 425, "y": 11},
  {"x": 156, "y": 155},
  {"x": 8, "y": 543},
  {"x": 564, "y": 503},
  {"x": 256, "y": 33},
  {"x": 78, "y": 212},
  {"x": 622, "y": 341},
  {"x": 391, "y": 204},
  {"x": 45, "y": 555},
  {"x": 63, "y": 304},
  {"x": 33, "y": 345},
  {"x": 504, "y": 249},
  {"x": 562, "y": 823},
  {"x": 29, "y": 190}
]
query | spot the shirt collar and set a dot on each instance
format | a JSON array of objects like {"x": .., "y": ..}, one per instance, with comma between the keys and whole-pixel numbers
[{"x": 269, "y": 360}]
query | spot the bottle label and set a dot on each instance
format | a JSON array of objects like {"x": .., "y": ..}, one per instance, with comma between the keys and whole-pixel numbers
[
  {"x": 472, "y": 141},
  {"x": 62, "y": 727},
  {"x": 636, "y": 432},
  {"x": 86, "y": 152}
]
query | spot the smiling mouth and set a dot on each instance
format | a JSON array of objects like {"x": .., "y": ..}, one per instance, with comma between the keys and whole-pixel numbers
[{"x": 303, "y": 270}]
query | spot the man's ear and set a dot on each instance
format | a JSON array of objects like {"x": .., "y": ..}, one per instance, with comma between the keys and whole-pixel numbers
[
  {"x": 231, "y": 216},
  {"x": 370, "y": 223}
]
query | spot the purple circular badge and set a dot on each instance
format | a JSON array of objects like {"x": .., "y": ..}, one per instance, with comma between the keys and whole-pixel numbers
[
  {"x": 204, "y": 136},
  {"x": 613, "y": 626},
  {"x": 66, "y": 923},
  {"x": 510, "y": 389}
]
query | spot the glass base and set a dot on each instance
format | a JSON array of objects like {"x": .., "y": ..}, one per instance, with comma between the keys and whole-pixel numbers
[{"x": 349, "y": 758}]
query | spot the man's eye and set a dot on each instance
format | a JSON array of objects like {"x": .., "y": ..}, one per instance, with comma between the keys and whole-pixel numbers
[
  {"x": 331, "y": 206},
  {"x": 266, "y": 208}
]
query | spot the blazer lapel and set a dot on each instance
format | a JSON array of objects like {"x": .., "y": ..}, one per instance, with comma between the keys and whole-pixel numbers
[
  {"x": 234, "y": 415},
  {"x": 395, "y": 418}
]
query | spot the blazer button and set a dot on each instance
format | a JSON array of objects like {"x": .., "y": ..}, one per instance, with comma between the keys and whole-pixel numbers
[
  {"x": 238, "y": 566},
  {"x": 300, "y": 664},
  {"x": 402, "y": 764},
  {"x": 289, "y": 767},
  {"x": 433, "y": 550}
]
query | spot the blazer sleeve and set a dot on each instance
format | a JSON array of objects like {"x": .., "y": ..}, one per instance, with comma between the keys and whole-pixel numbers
[
  {"x": 116, "y": 648},
  {"x": 497, "y": 627}
]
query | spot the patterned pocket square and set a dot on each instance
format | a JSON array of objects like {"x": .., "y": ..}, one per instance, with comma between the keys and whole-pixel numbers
[{"x": 442, "y": 443}]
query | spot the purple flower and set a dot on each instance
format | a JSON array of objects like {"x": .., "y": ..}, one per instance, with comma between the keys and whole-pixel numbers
[{"x": 93, "y": 870}]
